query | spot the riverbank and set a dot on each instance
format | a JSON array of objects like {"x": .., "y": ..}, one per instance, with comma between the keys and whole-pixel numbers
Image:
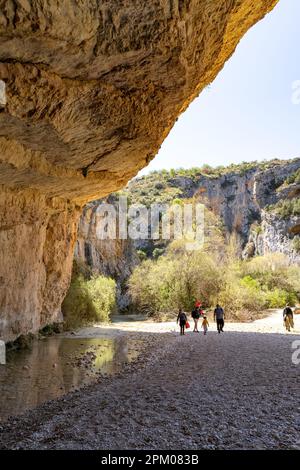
[{"x": 235, "y": 390}]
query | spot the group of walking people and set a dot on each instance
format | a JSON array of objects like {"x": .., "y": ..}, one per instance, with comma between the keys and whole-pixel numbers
[
  {"x": 197, "y": 314},
  {"x": 219, "y": 317}
]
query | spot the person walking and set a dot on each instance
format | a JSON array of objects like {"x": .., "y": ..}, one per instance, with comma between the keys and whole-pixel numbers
[
  {"x": 219, "y": 317},
  {"x": 195, "y": 316},
  {"x": 205, "y": 325},
  {"x": 288, "y": 317},
  {"x": 182, "y": 320}
]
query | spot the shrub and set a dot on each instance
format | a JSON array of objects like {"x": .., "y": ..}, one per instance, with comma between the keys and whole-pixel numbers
[
  {"x": 296, "y": 244},
  {"x": 174, "y": 280},
  {"x": 142, "y": 255},
  {"x": 256, "y": 228},
  {"x": 242, "y": 287},
  {"x": 237, "y": 298},
  {"x": 278, "y": 298},
  {"x": 249, "y": 283},
  {"x": 89, "y": 300},
  {"x": 294, "y": 178},
  {"x": 157, "y": 252},
  {"x": 286, "y": 208}
]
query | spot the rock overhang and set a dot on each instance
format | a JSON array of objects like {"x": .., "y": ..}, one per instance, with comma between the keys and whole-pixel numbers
[{"x": 93, "y": 88}]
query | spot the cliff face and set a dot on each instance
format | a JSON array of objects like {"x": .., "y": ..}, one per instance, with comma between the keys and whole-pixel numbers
[
  {"x": 37, "y": 237},
  {"x": 240, "y": 200},
  {"x": 280, "y": 214},
  {"x": 239, "y": 196},
  {"x": 111, "y": 257},
  {"x": 89, "y": 91},
  {"x": 276, "y": 236}
]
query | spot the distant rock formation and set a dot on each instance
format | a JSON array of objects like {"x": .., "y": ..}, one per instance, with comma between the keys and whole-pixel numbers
[{"x": 244, "y": 199}]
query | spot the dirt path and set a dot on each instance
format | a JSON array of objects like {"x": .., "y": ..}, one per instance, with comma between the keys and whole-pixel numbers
[{"x": 237, "y": 390}]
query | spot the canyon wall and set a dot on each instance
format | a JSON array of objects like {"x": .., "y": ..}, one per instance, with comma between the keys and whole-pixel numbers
[
  {"x": 244, "y": 199},
  {"x": 111, "y": 256},
  {"x": 37, "y": 237},
  {"x": 89, "y": 91},
  {"x": 240, "y": 196}
]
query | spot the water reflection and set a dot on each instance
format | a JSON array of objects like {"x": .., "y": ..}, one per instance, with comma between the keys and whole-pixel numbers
[{"x": 56, "y": 365}]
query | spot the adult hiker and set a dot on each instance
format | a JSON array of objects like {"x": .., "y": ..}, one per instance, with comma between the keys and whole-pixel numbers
[
  {"x": 288, "y": 318},
  {"x": 195, "y": 316},
  {"x": 219, "y": 317},
  {"x": 182, "y": 320}
]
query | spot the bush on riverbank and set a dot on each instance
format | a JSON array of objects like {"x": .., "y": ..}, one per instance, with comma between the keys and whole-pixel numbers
[
  {"x": 89, "y": 300},
  {"x": 179, "y": 277}
]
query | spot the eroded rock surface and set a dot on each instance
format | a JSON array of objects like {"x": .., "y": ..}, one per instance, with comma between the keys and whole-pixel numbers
[
  {"x": 37, "y": 237},
  {"x": 92, "y": 88},
  {"x": 109, "y": 256}
]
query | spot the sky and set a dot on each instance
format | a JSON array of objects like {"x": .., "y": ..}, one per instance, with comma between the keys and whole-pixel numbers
[{"x": 248, "y": 112}]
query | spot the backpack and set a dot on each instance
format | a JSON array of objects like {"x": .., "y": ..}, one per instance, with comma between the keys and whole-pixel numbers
[
  {"x": 195, "y": 313},
  {"x": 287, "y": 311}
]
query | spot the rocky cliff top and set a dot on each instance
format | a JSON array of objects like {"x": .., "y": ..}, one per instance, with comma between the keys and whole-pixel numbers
[{"x": 241, "y": 194}]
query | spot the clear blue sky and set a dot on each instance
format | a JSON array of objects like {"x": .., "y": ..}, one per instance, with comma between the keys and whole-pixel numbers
[{"x": 247, "y": 113}]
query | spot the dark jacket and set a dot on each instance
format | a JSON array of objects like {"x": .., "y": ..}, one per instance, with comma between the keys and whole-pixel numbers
[
  {"x": 287, "y": 312},
  {"x": 195, "y": 313},
  {"x": 182, "y": 318}
]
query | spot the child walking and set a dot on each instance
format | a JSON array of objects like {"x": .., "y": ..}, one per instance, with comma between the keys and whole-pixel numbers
[{"x": 205, "y": 325}]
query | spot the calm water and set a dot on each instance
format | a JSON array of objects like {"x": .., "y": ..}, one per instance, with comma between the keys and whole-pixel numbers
[{"x": 54, "y": 366}]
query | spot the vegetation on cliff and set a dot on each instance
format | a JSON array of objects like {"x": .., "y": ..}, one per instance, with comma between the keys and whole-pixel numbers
[
  {"x": 286, "y": 208},
  {"x": 165, "y": 185}
]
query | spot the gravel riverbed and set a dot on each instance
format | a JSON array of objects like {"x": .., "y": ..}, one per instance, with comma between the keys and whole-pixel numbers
[{"x": 236, "y": 390}]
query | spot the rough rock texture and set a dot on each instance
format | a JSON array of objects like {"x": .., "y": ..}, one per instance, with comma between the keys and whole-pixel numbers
[
  {"x": 276, "y": 236},
  {"x": 238, "y": 196},
  {"x": 112, "y": 257},
  {"x": 92, "y": 88},
  {"x": 37, "y": 237}
]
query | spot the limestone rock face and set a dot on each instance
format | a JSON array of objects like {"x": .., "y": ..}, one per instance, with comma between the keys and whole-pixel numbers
[
  {"x": 91, "y": 89},
  {"x": 239, "y": 198},
  {"x": 111, "y": 257},
  {"x": 37, "y": 237},
  {"x": 277, "y": 236},
  {"x": 244, "y": 198}
]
